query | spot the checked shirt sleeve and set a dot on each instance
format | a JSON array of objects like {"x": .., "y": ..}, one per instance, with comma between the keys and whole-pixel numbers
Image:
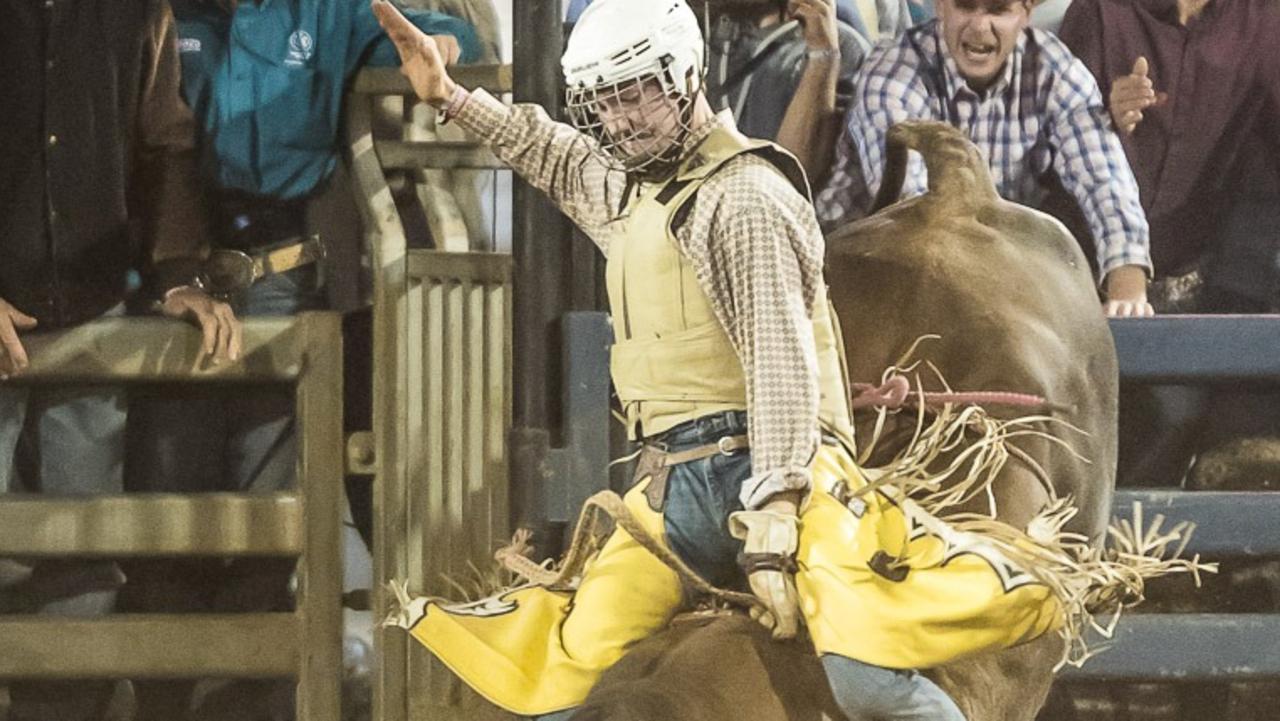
[
  {"x": 1092, "y": 166},
  {"x": 758, "y": 253},
  {"x": 553, "y": 157}
]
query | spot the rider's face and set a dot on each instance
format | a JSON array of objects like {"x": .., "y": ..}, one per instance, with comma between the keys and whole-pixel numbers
[
  {"x": 639, "y": 118},
  {"x": 981, "y": 34}
]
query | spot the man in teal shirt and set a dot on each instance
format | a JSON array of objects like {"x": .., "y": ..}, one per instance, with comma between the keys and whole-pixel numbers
[{"x": 266, "y": 80}]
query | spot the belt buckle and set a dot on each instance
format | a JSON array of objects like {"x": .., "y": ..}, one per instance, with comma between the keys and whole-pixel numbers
[
  {"x": 226, "y": 273},
  {"x": 725, "y": 444}
]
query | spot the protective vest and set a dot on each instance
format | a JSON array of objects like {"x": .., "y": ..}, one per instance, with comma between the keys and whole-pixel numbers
[{"x": 671, "y": 359}]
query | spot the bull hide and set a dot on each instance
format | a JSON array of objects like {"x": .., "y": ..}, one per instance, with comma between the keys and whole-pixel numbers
[{"x": 1010, "y": 294}]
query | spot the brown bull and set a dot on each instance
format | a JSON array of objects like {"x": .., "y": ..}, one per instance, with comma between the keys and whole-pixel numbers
[{"x": 1010, "y": 294}]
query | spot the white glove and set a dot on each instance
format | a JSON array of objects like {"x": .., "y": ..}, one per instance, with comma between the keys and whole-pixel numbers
[{"x": 768, "y": 555}]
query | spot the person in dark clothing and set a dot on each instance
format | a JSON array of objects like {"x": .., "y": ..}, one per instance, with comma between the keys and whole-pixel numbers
[
  {"x": 1206, "y": 155},
  {"x": 97, "y": 176}
]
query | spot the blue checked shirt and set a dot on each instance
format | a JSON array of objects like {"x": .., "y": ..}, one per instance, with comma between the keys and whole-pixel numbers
[{"x": 1043, "y": 115}]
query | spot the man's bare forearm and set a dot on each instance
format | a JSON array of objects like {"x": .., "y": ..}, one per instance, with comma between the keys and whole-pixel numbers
[{"x": 811, "y": 124}]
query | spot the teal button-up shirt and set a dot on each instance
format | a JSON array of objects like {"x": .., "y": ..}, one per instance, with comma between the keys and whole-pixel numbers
[{"x": 266, "y": 83}]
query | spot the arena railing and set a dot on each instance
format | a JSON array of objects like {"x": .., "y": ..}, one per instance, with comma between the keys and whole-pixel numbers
[
  {"x": 1216, "y": 351},
  {"x": 306, "y": 644}
]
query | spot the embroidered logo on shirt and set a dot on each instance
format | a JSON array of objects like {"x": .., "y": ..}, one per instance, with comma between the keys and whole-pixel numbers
[
  {"x": 188, "y": 45},
  {"x": 301, "y": 47}
]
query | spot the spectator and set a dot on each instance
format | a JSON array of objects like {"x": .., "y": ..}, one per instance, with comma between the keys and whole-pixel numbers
[
  {"x": 785, "y": 70},
  {"x": 269, "y": 153},
  {"x": 1029, "y": 105},
  {"x": 99, "y": 145},
  {"x": 1205, "y": 148},
  {"x": 1160, "y": 63}
]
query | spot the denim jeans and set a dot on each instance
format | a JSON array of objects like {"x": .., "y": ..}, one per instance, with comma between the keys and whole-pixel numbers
[
  {"x": 62, "y": 442},
  {"x": 699, "y": 499}
]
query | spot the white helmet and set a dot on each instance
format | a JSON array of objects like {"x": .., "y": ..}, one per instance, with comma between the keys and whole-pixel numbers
[{"x": 635, "y": 52}]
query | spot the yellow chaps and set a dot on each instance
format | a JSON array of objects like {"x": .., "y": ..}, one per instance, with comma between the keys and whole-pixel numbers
[{"x": 533, "y": 651}]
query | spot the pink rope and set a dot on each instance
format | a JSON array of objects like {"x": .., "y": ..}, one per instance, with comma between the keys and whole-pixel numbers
[{"x": 896, "y": 392}]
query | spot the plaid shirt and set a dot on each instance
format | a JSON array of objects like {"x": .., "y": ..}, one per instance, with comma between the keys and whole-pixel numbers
[
  {"x": 755, "y": 246},
  {"x": 1043, "y": 114}
]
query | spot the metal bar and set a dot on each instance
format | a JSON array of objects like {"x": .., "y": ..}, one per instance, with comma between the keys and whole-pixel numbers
[
  {"x": 1198, "y": 348},
  {"x": 496, "y": 79},
  {"x": 119, "y": 350},
  {"x": 218, "y": 524},
  {"x": 261, "y": 645},
  {"x": 1188, "y": 647},
  {"x": 385, "y": 239},
  {"x": 487, "y": 268},
  {"x": 437, "y": 155},
  {"x": 541, "y": 233},
  {"x": 320, "y": 466},
  {"x": 1228, "y": 524}
]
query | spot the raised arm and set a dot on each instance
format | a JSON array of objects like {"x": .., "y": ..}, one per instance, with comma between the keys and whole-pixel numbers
[
  {"x": 812, "y": 121},
  {"x": 568, "y": 166}
]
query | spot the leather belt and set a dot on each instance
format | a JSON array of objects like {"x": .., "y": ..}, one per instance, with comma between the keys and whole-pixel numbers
[
  {"x": 227, "y": 273},
  {"x": 725, "y": 446},
  {"x": 656, "y": 464}
]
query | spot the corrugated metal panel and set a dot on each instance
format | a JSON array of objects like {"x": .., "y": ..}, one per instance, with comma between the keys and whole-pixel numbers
[{"x": 458, "y": 414}]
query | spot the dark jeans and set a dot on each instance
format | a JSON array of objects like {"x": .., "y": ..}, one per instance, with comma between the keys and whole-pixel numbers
[{"x": 702, "y": 494}]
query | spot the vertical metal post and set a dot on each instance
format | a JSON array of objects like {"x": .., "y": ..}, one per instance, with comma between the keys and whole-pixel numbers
[
  {"x": 320, "y": 464},
  {"x": 541, "y": 235},
  {"x": 542, "y": 246}
]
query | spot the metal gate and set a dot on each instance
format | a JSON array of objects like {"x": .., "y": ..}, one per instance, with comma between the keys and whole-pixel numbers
[
  {"x": 305, "y": 522},
  {"x": 441, "y": 396}
]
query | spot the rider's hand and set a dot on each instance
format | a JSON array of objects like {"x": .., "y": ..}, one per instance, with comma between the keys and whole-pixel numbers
[
  {"x": 1131, "y": 94},
  {"x": 421, "y": 57},
  {"x": 223, "y": 333},
  {"x": 819, "y": 20},
  {"x": 1127, "y": 293},
  {"x": 13, "y": 357},
  {"x": 770, "y": 537}
]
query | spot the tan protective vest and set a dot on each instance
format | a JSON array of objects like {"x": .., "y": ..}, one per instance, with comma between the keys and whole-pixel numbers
[{"x": 671, "y": 359}]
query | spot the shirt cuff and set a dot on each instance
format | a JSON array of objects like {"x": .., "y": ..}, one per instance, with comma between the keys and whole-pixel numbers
[
  {"x": 757, "y": 489},
  {"x": 174, "y": 273},
  {"x": 482, "y": 114},
  {"x": 1143, "y": 262}
]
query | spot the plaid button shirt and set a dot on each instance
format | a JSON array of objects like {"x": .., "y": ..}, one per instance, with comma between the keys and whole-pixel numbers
[
  {"x": 1044, "y": 114},
  {"x": 755, "y": 247}
]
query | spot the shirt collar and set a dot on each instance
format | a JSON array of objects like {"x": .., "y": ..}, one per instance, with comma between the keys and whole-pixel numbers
[{"x": 956, "y": 85}]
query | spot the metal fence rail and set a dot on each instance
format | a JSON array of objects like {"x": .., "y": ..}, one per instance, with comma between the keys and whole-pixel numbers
[
  {"x": 305, "y": 522},
  {"x": 1244, "y": 524}
]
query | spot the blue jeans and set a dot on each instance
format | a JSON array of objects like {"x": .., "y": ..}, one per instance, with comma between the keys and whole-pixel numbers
[
  {"x": 61, "y": 442},
  {"x": 700, "y": 496}
]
